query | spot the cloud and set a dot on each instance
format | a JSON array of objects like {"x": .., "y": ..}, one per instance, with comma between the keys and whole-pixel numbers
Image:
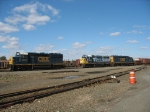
[
  {"x": 88, "y": 42},
  {"x": 6, "y": 28},
  {"x": 31, "y": 15},
  {"x": 148, "y": 38},
  {"x": 74, "y": 54},
  {"x": 33, "y": 8},
  {"x": 60, "y": 38},
  {"x": 44, "y": 48},
  {"x": 11, "y": 42},
  {"x": 101, "y": 33},
  {"x": 139, "y": 26},
  {"x": 105, "y": 50},
  {"x": 54, "y": 11},
  {"x": 132, "y": 41},
  {"x": 3, "y": 39},
  {"x": 135, "y": 32},
  {"x": 143, "y": 47},
  {"x": 68, "y": 0},
  {"x": 37, "y": 19},
  {"x": 15, "y": 19},
  {"x": 28, "y": 27},
  {"x": 78, "y": 45},
  {"x": 115, "y": 34},
  {"x": 30, "y": 19}
]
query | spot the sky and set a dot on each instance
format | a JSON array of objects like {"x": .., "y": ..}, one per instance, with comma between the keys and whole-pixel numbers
[{"x": 75, "y": 27}]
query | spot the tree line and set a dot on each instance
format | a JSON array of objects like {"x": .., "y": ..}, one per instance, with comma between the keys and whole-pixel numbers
[{"x": 3, "y": 58}]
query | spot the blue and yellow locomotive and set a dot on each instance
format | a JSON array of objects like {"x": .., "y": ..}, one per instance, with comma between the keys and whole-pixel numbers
[
  {"x": 24, "y": 61},
  {"x": 94, "y": 61},
  {"x": 121, "y": 60},
  {"x": 98, "y": 60}
]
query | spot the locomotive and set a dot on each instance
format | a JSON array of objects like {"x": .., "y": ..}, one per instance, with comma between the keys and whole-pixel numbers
[
  {"x": 121, "y": 60},
  {"x": 98, "y": 60},
  {"x": 94, "y": 61},
  {"x": 31, "y": 60}
]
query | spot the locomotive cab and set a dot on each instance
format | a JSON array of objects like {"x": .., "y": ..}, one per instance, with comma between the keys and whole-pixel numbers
[
  {"x": 19, "y": 62},
  {"x": 21, "y": 58},
  {"x": 83, "y": 61},
  {"x": 86, "y": 60}
]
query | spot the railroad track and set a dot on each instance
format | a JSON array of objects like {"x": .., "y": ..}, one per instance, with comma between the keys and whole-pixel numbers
[
  {"x": 9, "y": 70},
  {"x": 7, "y": 100}
]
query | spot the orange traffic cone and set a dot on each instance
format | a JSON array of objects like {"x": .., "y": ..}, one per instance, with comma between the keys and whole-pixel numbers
[{"x": 132, "y": 77}]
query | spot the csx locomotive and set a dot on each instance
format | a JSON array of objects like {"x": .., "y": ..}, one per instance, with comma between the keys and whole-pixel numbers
[
  {"x": 23, "y": 61},
  {"x": 97, "y": 60}
]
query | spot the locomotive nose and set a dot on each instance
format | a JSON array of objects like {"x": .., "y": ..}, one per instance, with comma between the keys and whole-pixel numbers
[{"x": 11, "y": 61}]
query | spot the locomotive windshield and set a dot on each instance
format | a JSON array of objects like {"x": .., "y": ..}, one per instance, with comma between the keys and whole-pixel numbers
[{"x": 17, "y": 53}]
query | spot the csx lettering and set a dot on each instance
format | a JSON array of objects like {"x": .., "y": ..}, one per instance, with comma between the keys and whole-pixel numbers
[
  {"x": 24, "y": 59},
  {"x": 122, "y": 59},
  {"x": 43, "y": 59}
]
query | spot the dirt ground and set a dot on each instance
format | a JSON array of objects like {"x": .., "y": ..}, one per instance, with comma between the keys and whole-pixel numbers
[{"x": 96, "y": 98}]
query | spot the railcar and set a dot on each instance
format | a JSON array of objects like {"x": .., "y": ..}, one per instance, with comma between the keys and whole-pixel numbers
[
  {"x": 4, "y": 64},
  {"x": 68, "y": 63},
  {"x": 142, "y": 61},
  {"x": 31, "y": 60}
]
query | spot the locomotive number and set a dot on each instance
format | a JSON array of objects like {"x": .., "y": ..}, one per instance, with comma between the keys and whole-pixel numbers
[
  {"x": 43, "y": 59},
  {"x": 122, "y": 59}
]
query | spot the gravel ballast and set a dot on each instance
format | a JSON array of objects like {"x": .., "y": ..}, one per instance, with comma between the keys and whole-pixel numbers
[{"x": 95, "y": 98}]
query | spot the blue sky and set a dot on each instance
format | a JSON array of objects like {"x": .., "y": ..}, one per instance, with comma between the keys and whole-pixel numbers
[{"x": 75, "y": 27}]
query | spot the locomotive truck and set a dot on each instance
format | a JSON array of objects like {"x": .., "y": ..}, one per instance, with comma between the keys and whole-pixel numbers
[{"x": 31, "y": 60}]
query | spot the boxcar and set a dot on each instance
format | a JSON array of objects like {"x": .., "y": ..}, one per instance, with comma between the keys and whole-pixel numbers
[
  {"x": 68, "y": 63},
  {"x": 142, "y": 61},
  {"x": 4, "y": 64}
]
